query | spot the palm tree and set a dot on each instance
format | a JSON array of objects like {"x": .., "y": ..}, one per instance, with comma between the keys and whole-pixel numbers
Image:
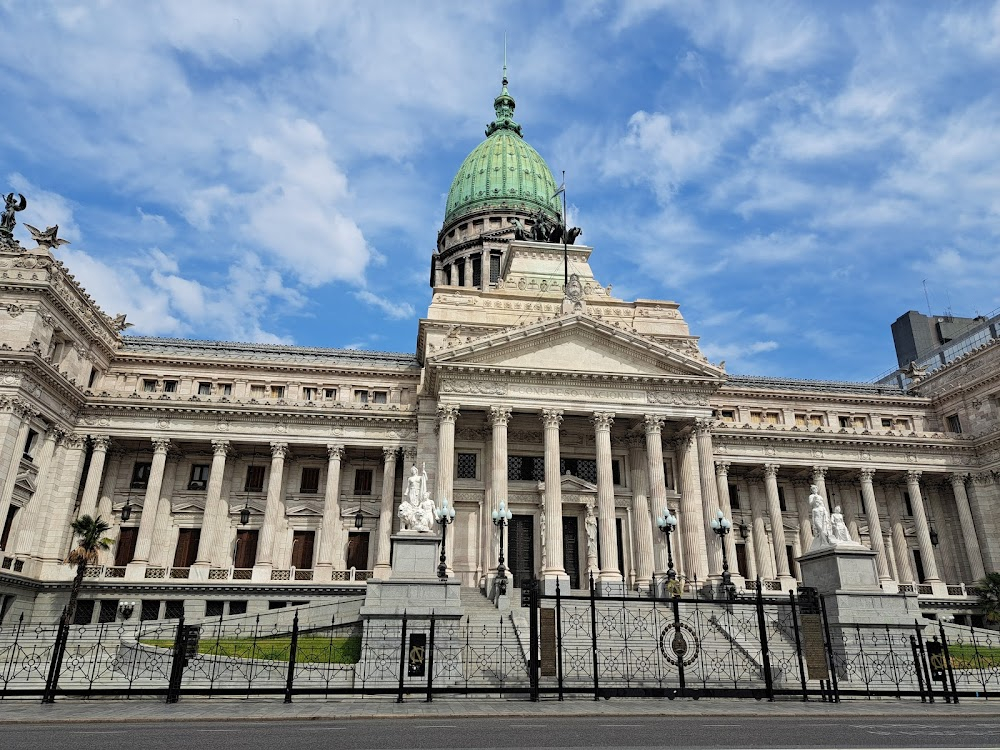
[
  {"x": 89, "y": 535},
  {"x": 989, "y": 597}
]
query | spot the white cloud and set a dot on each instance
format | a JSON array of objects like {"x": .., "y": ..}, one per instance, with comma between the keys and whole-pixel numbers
[{"x": 394, "y": 310}]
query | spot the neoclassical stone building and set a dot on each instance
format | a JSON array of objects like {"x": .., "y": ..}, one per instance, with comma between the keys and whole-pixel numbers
[{"x": 239, "y": 477}]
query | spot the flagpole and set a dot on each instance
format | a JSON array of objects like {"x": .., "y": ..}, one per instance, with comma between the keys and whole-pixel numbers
[{"x": 564, "y": 232}]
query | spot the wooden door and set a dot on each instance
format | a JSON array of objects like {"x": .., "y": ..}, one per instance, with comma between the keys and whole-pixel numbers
[
  {"x": 187, "y": 547},
  {"x": 571, "y": 550},
  {"x": 521, "y": 548},
  {"x": 246, "y": 548},
  {"x": 302, "y": 549},
  {"x": 125, "y": 550},
  {"x": 357, "y": 550}
]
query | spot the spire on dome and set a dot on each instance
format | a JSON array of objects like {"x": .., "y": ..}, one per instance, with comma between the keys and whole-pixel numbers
[{"x": 503, "y": 105}]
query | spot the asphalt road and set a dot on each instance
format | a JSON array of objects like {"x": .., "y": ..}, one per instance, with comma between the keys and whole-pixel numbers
[{"x": 543, "y": 732}]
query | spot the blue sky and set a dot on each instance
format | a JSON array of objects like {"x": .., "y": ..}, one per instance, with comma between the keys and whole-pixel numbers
[{"x": 790, "y": 173}]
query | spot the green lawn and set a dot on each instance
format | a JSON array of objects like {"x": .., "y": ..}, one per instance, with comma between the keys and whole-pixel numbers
[
  {"x": 967, "y": 656},
  {"x": 315, "y": 649}
]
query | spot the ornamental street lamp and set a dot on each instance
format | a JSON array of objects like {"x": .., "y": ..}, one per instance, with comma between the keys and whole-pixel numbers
[
  {"x": 667, "y": 523},
  {"x": 125, "y": 609},
  {"x": 722, "y": 526},
  {"x": 500, "y": 518},
  {"x": 444, "y": 516},
  {"x": 359, "y": 519}
]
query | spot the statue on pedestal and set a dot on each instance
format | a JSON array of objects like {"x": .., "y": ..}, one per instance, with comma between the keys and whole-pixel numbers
[
  {"x": 839, "y": 528},
  {"x": 829, "y": 530},
  {"x": 417, "y": 509}
]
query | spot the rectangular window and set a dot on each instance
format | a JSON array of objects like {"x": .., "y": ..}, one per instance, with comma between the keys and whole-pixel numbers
[
  {"x": 844, "y": 422},
  {"x": 255, "y": 479},
  {"x": 186, "y": 551},
  {"x": 727, "y": 415},
  {"x": 790, "y": 556},
  {"x": 302, "y": 549},
  {"x": 954, "y": 424},
  {"x": 258, "y": 391},
  {"x": 140, "y": 474},
  {"x": 734, "y": 497},
  {"x": 330, "y": 393},
  {"x": 125, "y": 550},
  {"x": 801, "y": 420},
  {"x": 308, "y": 394},
  {"x": 381, "y": 397},
  {"x": 238, "y": 607},
  {"x": 772, "y": 417},
  {"x": 361, "y": 397},
  {"x": 363, "y": 481},
  {"x": 29, "y": 444},
  {"x": 781, "y": 499},
  {"x": 174, "y": 609},
  {"x": 918, "y": 565},
  {"x": 859, "y": 423},
  {"x": 204, "y": 389},
  {"x": 525, "y": 468},
  {"x": 93, "y": 377},
  {"x": 226, "y": 389},
  {"x": 668, "y": 475},
  {"x": 815, "y": 420},
  {"x": 616, "y": 472},
  {"x": 886, "y": 424},
  {"x": 477, "y": 272},
  {"x": 466, "y": 466},
  {"x": 310, "y": 479},
  {"x": 214, "y": 608},
  {"x": 276, "y": 605},
  {"x": 84, "y": 612},
  {"x": 277, "y": 391},
  {"x": 245, "y": 556},
  {"x": 8, "y": 524},
  {"x": 907, "y": 505},
  {"x": 756, "y": 417},
  {"x": 150, "y": 609},
  {"x": 109, "y": 611},
  {"x": 149, "y": 386},
  {"x": 170, "y": 386},
  {"x": 494, "y": 268},
  {"x": 199, "y": 477},
  {"x": 584, "y": 468}
]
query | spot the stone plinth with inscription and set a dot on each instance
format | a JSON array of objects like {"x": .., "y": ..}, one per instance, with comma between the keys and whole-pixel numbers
[
  {"x": 413, "y": 586},
  {"x": 845, "y": 577}
]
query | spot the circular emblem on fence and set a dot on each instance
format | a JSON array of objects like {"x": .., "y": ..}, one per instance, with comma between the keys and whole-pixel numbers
[{"x": 679, "y": 644}]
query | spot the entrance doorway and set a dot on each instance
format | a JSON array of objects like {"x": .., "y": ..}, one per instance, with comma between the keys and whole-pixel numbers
[
  {"x": 357, "y": 550},
  {"x": 521, "y": 556},
  {"x": 571, "y": 550}
]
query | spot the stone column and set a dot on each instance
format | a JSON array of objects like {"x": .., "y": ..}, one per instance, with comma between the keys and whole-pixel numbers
[
  {"x": 387, "y": 504},
  {"x": 819, "y": 479},
  {"x": 900, "y": 548},
  {"x": 555, "y": 571},
  {"x": 53, "y": 541},
  {"x": 722, "y": 490},
  {"x": 106, "y": 497},
  {"x": 641, "y": 520},
  {"x": 751, "y": 550},
  {"x": 761, "y": 548},
  {"x": 215, "y": 516},
  {"x": 777, "y": 523},
  {"x": 272, "y": 511},
  {"x": 803, "y": 511},
  {"x": 711, "y": 500},
  {"x": 22, "y": 414},
  {"x": 692, "y": 521},
  {"x": 499, "y": 419},
  {"x": 151, "y": 501},
  {"x": 31, "y": 525},
  {"x": 657, "y": 482},
  {"x": 874, "y": 525},
  {"x": 447, "y": 417},
  {"x": 984, "y": 501},
  {"x": 610, "y": 579},
  {"x": 969, "y": 539},
  {"x": 923, "y": 532},
  {"x": 332, "y": 548},
  {"x": 92, "y": 485}
]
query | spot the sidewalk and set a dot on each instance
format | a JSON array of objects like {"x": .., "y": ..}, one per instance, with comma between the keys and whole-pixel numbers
[{"x": 70, "y": 710}]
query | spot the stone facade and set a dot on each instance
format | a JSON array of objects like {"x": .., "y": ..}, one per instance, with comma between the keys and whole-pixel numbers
[{"x": 240, "y": 475}]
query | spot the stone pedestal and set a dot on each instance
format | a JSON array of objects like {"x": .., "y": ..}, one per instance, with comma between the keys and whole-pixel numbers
[
  {"x": 413, "y": 586},
  {"x": 846, "y": 577}
]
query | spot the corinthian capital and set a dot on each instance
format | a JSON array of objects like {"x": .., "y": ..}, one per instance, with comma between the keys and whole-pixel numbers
[
  {"x": 221, "y": 448},
  {"x": 958, "y": 477},
  {"x": 771, "y": 470},
  {"x": 552, "y": 417},
  {"x": 654, "y": 424},
  {"x": 335, "y": 452},
  {"x": 499, "y": 415},
  {"x": 447, "y": 413},
  {"x": 913, "y": 476},
  {"x": 603, "y": 420},
  {"x": 866, "y": 474},
  {"x": 161, "y": 445},
  {"x": 101, "y": 442},
  {"x": 389, "y": 454},
  {"x": 703, "y": 426},
  {"x": 722, "y": 468},
  {"x": 279, "y": 450},
  {"x": 819, "y": 474}
]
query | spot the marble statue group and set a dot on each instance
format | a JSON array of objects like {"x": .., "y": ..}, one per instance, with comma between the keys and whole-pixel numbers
[
  {"x": 417, "y": 509},
  {"x": 828, "y": 529}
]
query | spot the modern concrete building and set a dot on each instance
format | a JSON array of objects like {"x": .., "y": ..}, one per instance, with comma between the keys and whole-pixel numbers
[{"x": 239, "y": 477}]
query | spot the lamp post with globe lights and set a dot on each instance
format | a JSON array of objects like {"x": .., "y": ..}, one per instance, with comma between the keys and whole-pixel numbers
[
  {"x": 444, "y": 516},
  {"x": 722, "y": 526},
  {"x": 667, "y": 522},
  {"x": 500, "y": 518}
]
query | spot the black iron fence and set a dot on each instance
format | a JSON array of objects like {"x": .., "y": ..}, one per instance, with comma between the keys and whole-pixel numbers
[{"x": 555, "y": 646}]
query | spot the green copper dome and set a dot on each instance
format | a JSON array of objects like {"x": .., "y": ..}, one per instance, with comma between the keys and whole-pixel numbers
[{"x": 503, "y": 171}]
